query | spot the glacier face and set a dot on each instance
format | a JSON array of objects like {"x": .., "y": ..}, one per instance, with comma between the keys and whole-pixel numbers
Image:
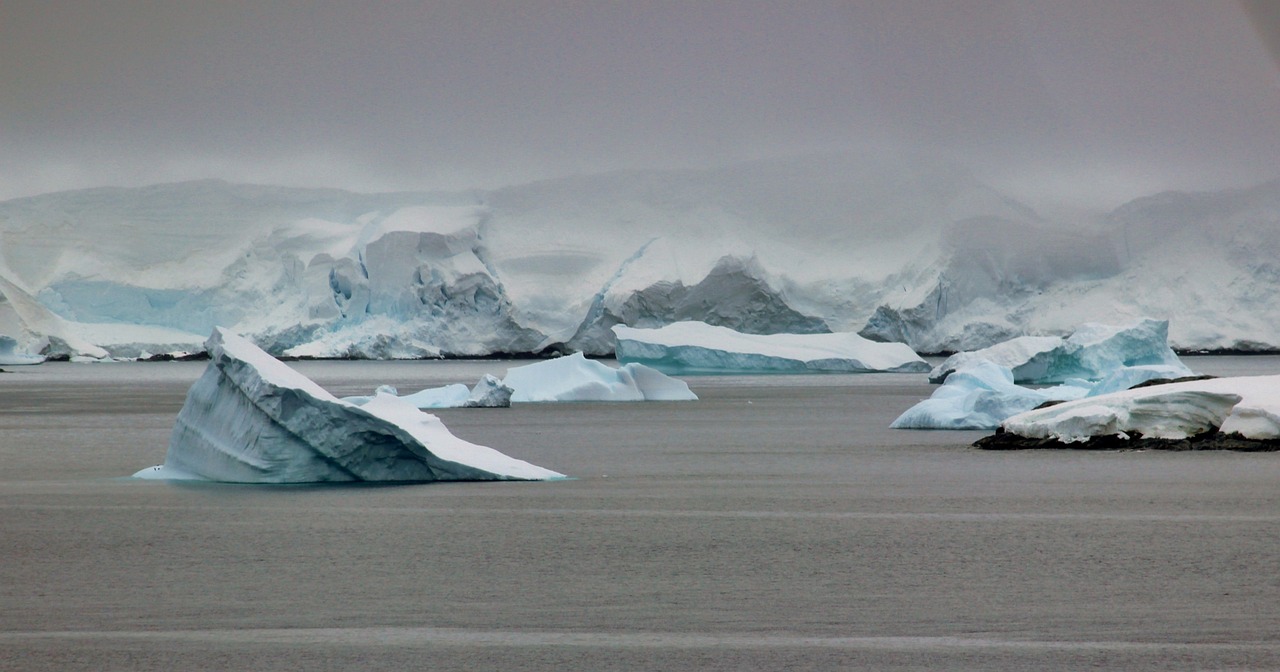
[
  {"x": 697, "y": 347},
  {"x": 902, "y": 251},
  {"x": 251, "y": 419}
]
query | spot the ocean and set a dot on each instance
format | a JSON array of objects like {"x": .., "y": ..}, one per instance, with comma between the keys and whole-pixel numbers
[{"x": 775, "y": 523}]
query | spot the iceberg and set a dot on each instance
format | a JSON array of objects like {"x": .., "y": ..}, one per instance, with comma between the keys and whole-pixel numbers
[
  {"x": 576, "y": 378},
  {"x": 488, "y": 393},
  {"x": 980, "y": 389},
  {"x": 1237, "y": 412},
  {"x": 981, "y": 396},
  {"x": 697, "y": 347},
  {"x": 9, "y": 355},
  {"x": 1092, "y": 352},
  {"x": 252, "y": 419}
]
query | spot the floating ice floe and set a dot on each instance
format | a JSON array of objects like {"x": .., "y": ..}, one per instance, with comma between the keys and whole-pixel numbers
[
  {"x": 252, "y": 419},
  {"x": 980, "y": 396},
  {"x": 9, "y": 355},
  {"x": 697, "y": 347},
  {"x": 1091, "y": 353},
  {"x": 1238, "y": 413},
  {"x": 488, "y": 393},
  {"x": 576, "y": 378}
]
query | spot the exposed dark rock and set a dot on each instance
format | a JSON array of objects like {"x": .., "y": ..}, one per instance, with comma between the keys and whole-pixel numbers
[
  {"x": 1166, "y": 381},
  {"x": 1211, "y": 440}
]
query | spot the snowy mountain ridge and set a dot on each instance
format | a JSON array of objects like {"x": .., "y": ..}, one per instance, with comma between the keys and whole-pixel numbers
[{"x": 900, "y": 252}]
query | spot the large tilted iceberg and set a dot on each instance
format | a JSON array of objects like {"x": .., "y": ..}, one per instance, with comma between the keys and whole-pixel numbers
[
  {"x": 1092, "y": 352},
  {"x": 252, "y": 419},
  {"x": 697, "y": 347},
  {"x": 576, "y": 378},
  {"x": 1240, "y": 412}
]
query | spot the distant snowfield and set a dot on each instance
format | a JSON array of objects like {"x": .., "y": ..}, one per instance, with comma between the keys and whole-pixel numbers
[{"x": 901, "y": 252}]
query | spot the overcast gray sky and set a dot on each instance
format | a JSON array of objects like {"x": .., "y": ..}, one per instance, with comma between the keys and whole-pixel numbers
[{"x": 1090, "y": 100}]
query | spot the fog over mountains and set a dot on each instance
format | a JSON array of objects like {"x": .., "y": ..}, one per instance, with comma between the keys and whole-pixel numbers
[{"x": 910, "y": 252}]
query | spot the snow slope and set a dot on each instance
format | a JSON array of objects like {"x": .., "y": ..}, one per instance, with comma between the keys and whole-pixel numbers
[{"x": 902, "y": 249}]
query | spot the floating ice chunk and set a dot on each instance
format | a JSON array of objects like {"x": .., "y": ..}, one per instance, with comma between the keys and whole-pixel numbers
[
  {"x": 1091, "y": 353},
  {"x": 980, "y": 396},
  {"x": 576, "y": 378},
  {"x": 697, "y": 347},
  {"x": 489, "y": 393},
  {"x": 9, "y": 355},
  {"x": 252, "y": 419}
]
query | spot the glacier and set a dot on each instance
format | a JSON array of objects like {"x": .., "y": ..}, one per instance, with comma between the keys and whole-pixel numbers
[
  {"x": 1236, "y": 412},
  {"x": 697, "y": 347},
  {"x": 252, "y": 419},
  {"x": 576, "y": 378},
  {"x": 898, "y": 249}
]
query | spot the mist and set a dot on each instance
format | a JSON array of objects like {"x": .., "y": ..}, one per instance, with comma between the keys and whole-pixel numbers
[{"x": 1082, "y": 104}]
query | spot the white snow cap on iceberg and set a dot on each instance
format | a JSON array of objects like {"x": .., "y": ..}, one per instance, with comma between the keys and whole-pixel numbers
[
  {"x": 1091, "y": 353},
  {"x": 697, "y": 347},
  {"x": 1248, "y": 406},
  {"x": 576, "y": 378},
  {"x": 252, "y": 419}
]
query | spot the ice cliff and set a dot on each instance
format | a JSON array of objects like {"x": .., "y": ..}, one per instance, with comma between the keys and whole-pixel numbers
[
  {"x": 252, "y": 419},
  {"x": 896, "y": 249}
]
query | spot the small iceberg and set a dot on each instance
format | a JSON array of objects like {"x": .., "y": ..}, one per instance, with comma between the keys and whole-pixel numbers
[
  {"x": 1239, "y": 413},
  {"x": 488, "y": 393},
  {"x": 576, "y": 378},
  {"x": 1092, "y": 352},
  {"x": 252, "y": 419},
  {"x": 980, "y": 396},
  {"x": 10, "y": 356},
  {"x": 697, "y": 347}
]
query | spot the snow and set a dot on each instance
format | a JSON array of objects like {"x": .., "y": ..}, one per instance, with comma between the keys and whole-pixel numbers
[
  {"x": 1248, "y": 406},
  {"x": 897, "y": 249},
  {"x": 252, "y": 419},
  {"x": 697, "y": 347},
  {"x": 576, "y": 378},
  {"x": 1092, "y": 352}
]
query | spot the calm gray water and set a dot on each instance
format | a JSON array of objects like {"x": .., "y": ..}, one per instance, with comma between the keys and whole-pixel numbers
[{"x": 776, "y": 523}]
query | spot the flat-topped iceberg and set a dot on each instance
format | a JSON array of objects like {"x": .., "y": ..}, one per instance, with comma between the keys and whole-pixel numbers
[
  {"x": 1092, "y": 352},
  {"x": 697, "y": 347},
  {"x": 576, "y": 378},
  {"x": 252, "y": 419},
  {"x": 1238, "y": 413}
]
